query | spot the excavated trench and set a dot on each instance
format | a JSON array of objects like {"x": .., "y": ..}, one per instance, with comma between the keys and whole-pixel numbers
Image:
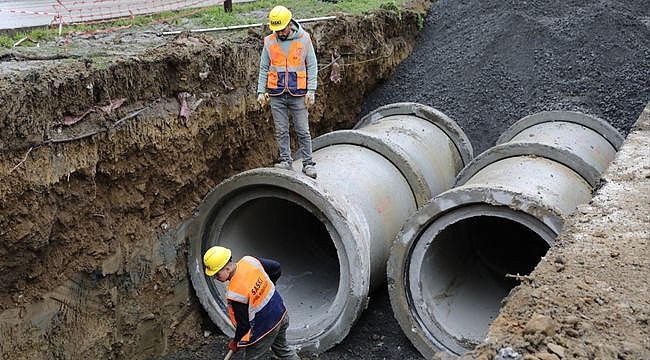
[
  {"x": 455, "y": 258},
  {"x": 104, "y": 157},
  {"x": 102, "y": 166},
  {"x": 333, "y": 234}
]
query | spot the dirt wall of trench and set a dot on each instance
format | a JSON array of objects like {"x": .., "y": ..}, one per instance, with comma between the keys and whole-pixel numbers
[{"x": 99, "y": 168}]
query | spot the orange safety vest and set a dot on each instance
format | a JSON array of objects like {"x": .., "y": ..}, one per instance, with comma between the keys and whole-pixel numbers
[
  {"x": 287, "y": 72},
  {"x": 251, "y": 285}
]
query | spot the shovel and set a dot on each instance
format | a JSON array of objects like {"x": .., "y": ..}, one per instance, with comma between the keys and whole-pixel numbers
[{"x": 228, "y": 355}]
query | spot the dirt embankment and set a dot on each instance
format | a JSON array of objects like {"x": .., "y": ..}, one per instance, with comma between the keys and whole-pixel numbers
[{"x": 99, "y": 164}]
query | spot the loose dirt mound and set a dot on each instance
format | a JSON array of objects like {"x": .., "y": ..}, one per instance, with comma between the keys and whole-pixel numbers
[{"x": 487, "y": 64}]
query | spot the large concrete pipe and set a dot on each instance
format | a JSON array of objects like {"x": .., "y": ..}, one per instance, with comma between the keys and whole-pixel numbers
[
  {"x": 332, "y": 235},
  {"x": 455, "y": 259}
]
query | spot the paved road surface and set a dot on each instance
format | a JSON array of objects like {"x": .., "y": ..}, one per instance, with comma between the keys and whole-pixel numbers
[{"x": 33, "y": 13}]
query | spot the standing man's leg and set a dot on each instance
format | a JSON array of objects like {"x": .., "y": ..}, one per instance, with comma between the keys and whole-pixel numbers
[
  {"x": 301, "y": 125},
  {"x": 280, "y": 112}
]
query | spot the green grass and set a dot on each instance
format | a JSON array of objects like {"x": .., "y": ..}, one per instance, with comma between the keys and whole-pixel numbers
[
  {"x": 34, "y": 36},
  {"x": 243, "y": 13},
  {"x": 216, "y": 17}
]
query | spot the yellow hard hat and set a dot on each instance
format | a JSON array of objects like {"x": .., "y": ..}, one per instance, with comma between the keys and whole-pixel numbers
[
  {"x": 215, "y": 259},
  {"x": 279, "y": 18}
]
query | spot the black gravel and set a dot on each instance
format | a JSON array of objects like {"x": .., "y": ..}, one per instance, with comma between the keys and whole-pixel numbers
[{"x": 487, "y": 64}]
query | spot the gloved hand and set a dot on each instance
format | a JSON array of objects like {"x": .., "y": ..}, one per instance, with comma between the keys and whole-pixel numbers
[
  {"x": 310, "y": 99},
  {"x": 232, "y": 345},
  {"x": 262, "y": 99}
]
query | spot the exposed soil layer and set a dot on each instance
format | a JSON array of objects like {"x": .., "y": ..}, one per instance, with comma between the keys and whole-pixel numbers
[
  {"x": 109, "y": 141},
  {"x": 93, "y": 186}
]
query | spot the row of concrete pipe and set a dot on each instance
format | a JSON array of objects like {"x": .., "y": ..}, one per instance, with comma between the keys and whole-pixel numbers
[{"x": 401, "y": 198}]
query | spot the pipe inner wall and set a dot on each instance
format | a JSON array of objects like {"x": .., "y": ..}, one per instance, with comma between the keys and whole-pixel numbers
[
  {"x": 331, "y": 251},
  {"x": 278, "y": 225},
  {"x": 468, "y": 271}
]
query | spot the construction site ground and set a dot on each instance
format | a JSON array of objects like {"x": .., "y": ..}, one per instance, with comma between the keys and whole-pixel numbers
[{"x": 110, "y": 140}]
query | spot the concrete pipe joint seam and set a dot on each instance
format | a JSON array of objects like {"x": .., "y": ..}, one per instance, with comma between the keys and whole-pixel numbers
[
  {"x": 333, "y": 234},
  {"x": 456, "y": 258}
]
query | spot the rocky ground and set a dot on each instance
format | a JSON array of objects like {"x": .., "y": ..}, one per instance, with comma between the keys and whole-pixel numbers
[{"x": 486, "y": 64}]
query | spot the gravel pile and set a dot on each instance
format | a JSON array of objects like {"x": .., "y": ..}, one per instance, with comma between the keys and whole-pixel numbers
[{"x": 486, "y": 64}]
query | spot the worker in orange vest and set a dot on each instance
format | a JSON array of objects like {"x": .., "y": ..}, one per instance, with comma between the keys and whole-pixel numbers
[
  {"x": 255, "y": 306},
  {"x": 288, "y": 76}
]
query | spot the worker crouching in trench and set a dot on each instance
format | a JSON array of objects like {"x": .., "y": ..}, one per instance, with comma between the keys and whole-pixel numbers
[{"x": 255, "y": 306}]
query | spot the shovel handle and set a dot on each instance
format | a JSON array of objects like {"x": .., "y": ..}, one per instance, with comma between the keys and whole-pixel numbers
[{"x": 228, "y": 355}]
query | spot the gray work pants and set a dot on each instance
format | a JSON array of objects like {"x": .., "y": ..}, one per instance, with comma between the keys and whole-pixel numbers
[
  {"x": 281, "y": 107},
  {"x": 276, "y": 340}
]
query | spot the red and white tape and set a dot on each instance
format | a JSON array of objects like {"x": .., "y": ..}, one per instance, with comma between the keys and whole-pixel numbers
[
  {"x": 27, "y": 12},
  {"x": 88, "y": 10}
]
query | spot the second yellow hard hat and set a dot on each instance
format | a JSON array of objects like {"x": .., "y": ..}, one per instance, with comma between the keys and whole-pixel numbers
[
  {"x": 279, "y": 18},
  {"x": 215, "y": 259}
]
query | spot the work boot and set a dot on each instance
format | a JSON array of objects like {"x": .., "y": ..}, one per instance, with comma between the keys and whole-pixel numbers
[
  {"x": 309, "y": 170},
  {"x": 286, "y": 165}
]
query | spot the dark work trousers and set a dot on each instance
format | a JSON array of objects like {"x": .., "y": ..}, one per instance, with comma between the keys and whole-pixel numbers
[{"x": 276, "y": 340}]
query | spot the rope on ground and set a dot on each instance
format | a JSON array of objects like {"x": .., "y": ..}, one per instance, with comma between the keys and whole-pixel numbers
[{"x": 330, "y": 64}]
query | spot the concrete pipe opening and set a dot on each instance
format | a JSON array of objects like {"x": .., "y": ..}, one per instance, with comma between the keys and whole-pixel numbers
[
  {"x": 323, "y": 244},
  {"x": 269, "y": 213},
  {"x": 332, "y": 235},
  {"x": 455, "y": 259},
  {"x": 311, "y": 267},
  {"x": 468, "y": 258}
]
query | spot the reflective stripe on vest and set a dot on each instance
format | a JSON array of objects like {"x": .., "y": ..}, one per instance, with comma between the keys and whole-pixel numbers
[
  {"x": 288, "y": 73},
  {"x": 251, "y": 285}
]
